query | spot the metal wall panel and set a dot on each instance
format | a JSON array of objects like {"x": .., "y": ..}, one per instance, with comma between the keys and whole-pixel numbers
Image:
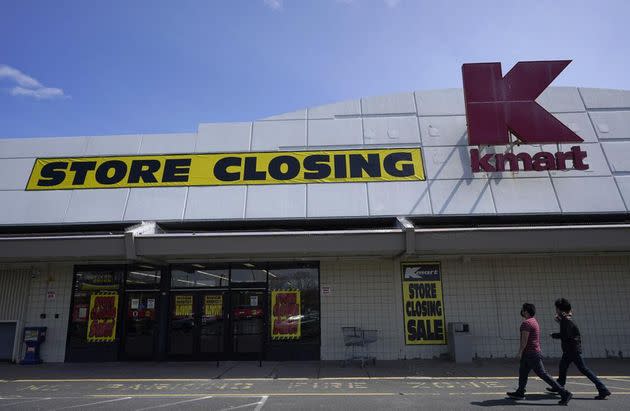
[
  {"x": 434, "y": 119},
  {"x": 561, "y": 100},
  {"x": 338, "y": 132},
  {"x": 271, "y": 135},
  {"x": 344, "y": 108},
  {"x": 390, "y": 130},
  {"x": 446, "y": 102},
  {"x": 14, "y": 286},
  {"x": 402, "y": 103},
  {"x": 223, "y": 137},
  {"x": 595, "y": 98},
  {"x": 15, "y": 173}
]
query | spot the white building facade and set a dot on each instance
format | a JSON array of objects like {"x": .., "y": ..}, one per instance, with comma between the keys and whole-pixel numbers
[{"x": 200, "y": 269}]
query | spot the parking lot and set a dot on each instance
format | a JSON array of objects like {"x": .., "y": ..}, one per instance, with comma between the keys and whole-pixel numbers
[{"x": 292, "y": 386}]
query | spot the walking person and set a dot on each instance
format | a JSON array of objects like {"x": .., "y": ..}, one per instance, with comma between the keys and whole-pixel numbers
[
  {"x": 571, "y": 341},
  {"x": 530, "y": 356}
]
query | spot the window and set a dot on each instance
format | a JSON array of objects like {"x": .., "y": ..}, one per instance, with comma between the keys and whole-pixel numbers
[
  {"x": 249, "y": 273},
  {"x": 95, "y": 308},
  {"x": 143, "y": 276},
  {"x": 199, "y": 276}
]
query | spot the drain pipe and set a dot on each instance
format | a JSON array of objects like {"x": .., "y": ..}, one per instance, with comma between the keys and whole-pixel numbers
[
  {"x": 145, "y": 227},
  {"x": 410, "y": 235}
]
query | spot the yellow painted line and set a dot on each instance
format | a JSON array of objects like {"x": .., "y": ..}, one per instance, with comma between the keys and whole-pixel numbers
[
  {"x": 119, "y": 380},
  {"x": 546, "y": 393}
]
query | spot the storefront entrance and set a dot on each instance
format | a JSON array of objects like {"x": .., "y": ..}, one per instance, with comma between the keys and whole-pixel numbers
[
  {"x": 235, "y": 311},
  {"x": 141, "y": 325},
  {"x": 219, "y": 325}
]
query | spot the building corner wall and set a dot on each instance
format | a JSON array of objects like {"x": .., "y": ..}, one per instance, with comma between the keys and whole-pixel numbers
[{"x": 49, "y": 306}]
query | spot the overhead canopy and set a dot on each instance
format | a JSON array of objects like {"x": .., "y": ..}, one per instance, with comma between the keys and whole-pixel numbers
[{"x": 147, "y": 241}]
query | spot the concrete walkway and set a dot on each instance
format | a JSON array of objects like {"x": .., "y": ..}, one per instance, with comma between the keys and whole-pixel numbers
[{"x": 282, "y": 370}]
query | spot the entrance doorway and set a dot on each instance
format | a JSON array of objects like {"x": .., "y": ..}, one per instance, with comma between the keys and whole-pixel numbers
[
  {"x": 248, "y": 319},
  {"x": 141, "y": 325},
  {"x": 197, "y": 324},
  {"x": 220, "y": 325}
]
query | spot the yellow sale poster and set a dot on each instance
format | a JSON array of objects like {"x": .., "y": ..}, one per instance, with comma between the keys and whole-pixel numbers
[
  {"x": 103, "y": 313},
  {"x": 423, "y": 304},
  {"x": 213, "y": 306},
  {"x": 286, "y": 318},
  {"x": 183, "y": 305}
]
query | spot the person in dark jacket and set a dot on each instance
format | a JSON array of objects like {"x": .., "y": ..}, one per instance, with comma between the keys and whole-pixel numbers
[
  {"x": 571, "y": 341},
  {"x": 530, "y": 356}
]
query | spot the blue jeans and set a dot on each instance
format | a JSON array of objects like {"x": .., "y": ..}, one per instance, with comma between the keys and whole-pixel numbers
[
  {"x": 565, "y": 362},
  {"x": 533, "y": 361}
]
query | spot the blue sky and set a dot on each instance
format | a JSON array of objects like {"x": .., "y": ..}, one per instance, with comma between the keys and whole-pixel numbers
[{"x": 116, "y": 67}]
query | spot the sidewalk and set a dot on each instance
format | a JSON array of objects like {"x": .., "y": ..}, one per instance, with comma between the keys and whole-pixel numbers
[{"x": 302, "y": 369}]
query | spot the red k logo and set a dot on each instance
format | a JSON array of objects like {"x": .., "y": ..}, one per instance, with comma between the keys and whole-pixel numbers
[{"x": 498, "y": 105}]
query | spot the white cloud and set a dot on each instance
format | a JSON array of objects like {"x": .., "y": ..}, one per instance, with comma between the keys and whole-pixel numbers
[
  {"x": 392, "y": 3},
  {"x": 389, "y": 3},
  {"x": 40, "y": 93},
  {"x": 274, "y": 4},
  {"x": 27, "y": 85}
]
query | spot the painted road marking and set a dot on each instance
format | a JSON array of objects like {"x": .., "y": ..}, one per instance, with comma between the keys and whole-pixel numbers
[
  {"x": 175, "y": 403},
  {"x": 26, "y": 400},
  {"x": 92, "y": 403},
  {"x": 608, "y": 386},
  {"x": 262, "y": 402},
  {"x": 339, "y": 394},
  {"x": 242, "y": 406},
  {"x": 617, "y": 379},
  {"x": 626, "y": 378}
]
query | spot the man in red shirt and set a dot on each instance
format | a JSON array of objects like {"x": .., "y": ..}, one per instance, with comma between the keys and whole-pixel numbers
[{"x": 530, "y": 356}]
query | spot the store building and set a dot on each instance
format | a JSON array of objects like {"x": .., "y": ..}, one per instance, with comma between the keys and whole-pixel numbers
[{"x": 263, "y": 239}]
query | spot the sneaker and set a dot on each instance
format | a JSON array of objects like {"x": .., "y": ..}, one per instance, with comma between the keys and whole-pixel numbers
[
  {"x": 602, "y": 395},
  {"x": 553, "y": 390},
  {"x": 566, "y": 397},
  {"x": 516, "y": 395}
]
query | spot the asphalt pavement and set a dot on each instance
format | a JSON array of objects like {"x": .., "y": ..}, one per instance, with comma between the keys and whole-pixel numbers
[{"x": 388, "y": 385}]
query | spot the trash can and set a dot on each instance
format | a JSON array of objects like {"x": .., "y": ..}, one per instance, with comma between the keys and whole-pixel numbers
[
  {"x": 33, "y": 338},
  {"x": 460, "y": 344}
]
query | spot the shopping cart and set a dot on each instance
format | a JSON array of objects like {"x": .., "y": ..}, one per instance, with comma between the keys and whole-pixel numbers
[{"x": 357, "y": 342}]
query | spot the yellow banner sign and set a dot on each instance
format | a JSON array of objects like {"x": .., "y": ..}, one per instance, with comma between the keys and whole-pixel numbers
[
  {"x": 213, "y": 306},
  {"x": 102, "y": 317},
  {"x": 423, "y": 304},
  {"x": 286, "y": 318},
  {"x": 183, "y": 305},
  {"x": 279, "y": 167}
]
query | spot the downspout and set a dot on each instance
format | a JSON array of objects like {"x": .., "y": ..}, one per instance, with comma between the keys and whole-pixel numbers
[{"x": 409, "y": 231}]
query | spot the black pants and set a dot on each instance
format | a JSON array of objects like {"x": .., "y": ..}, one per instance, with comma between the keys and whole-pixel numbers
[
  {"x": 576, "y": 358},
  {"x": 533, "y": 361}
]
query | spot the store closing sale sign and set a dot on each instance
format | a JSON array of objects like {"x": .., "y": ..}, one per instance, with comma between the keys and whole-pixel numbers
[
  {"x": 102, "y": 317},
  {"x": 423, "y": 303},
  {"x": 286, "y": 314}
]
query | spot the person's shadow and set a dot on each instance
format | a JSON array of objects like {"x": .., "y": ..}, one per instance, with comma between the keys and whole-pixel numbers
[{"x": 509, "y": 401}]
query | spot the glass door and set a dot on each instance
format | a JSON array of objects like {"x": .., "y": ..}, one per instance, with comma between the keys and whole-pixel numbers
[
  {"x": 182, "y": 324},
  {"x": 247, "y": 323},
  {"x": 212, "y": 324},
  {"x": 197, "y": 324},
  {"x": 141, "y": 329}
]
